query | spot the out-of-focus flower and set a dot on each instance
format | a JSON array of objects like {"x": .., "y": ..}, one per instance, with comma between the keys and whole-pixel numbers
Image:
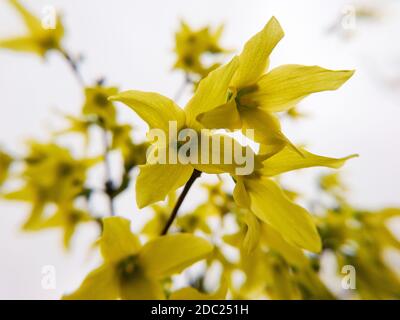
[
  {"x": 262, "y": 196},
  {"x": 38, "y": 40},
  {"x": 97, "y": 104},
  {"x": 192, "y": 45},
  {"x": 51, "y": 175},
  {"x": 67, "y": 218}
]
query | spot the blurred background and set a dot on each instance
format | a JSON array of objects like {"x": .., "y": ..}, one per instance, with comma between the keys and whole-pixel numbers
[{"x": 130, "y": 43}]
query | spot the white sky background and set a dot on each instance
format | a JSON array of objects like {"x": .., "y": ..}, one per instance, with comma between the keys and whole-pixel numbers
[{"x": 130, "y": 43}]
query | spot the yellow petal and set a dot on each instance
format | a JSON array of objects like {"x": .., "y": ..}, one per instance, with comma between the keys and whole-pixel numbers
[
  {"x": 211, "y": 92},
  {"x": 156, "y": 181},
  {"x": 240, "y": 194},
  {"x": 33, "y": 24},
  {"x": 35, "y": 216},
  {"x": 26, "y": 193},
  {"x": 117, "y": 241},
  {"x": 153, "y": 108},
  {"x": 100, "y": 284},
  {"x": 253, "y": 60},
  {"x": 140, "y": 287},
  {"x": 283, "y": 87},
  {"x": 293, "y": 255},
  {"x": 225, "y": 116},
  {"x": 171, "y": 254},
  {"x": 190, "y": 293},
  {"x": 225, "y": 154},
  {"x": 288, "y": 160},
  {"x": 252, "y": 237},
  {"x": 21, "y": 44},
  {"x": 269, "y": 203}
]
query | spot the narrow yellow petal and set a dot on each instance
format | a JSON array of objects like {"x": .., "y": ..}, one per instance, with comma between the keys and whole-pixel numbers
[
  {"x": 252, "y": 237},
  {"x": 212, "y": 92},
  {"x": 117, "y": 241},
  {"x": 267, "y": 130},
  {"x": 100, "y": 284},
  {"x": 156, "y": 181},
  {"x": 283, "y": 87},
  {"x": 33, "y": 24},
  {"x": 27, "y": 44},
  {"x": 253, "y": 60},
  {"x": 269, "y": 203},
  {"x": 171, "y": 254},
  {"x": 153, "y": 108},
  {"x": 288, "y": 160}
]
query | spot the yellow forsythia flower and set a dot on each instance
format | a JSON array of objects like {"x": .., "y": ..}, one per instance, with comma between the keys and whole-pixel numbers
[
  {"x": 255, "y": 95},
  {"x": 158, "y": 111}
]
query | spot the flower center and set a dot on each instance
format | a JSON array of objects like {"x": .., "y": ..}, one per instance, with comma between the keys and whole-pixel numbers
[
  {"x": 100, "y": 100},
  {"x": 128, "y": 267}
]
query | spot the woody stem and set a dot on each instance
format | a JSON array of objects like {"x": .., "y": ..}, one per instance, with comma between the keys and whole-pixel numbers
[
  {"x": 74, "y": 67},
  {"x": 108, "y": 184},
  {"x": 179, "y": 202}
]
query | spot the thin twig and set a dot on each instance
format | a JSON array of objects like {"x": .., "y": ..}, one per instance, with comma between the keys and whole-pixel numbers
[
  {"x": 179, "y": 202},
  {"x": 74, "y": 66}
]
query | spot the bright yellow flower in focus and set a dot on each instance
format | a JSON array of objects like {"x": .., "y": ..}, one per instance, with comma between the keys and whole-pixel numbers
[
  {"x": 38, "y": 40},
  {"x": 192, "y": 45},
  {"x": 133, "y": 271},
  {"x": 156, "y": 181},
  {"x": 263, "y": 196},
  {"x": 255, "y": 95}
]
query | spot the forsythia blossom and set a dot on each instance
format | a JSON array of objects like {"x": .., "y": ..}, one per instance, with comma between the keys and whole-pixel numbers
[
  {"x": 38, "y": 40},
  {"x": 133, "y": 271}
]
